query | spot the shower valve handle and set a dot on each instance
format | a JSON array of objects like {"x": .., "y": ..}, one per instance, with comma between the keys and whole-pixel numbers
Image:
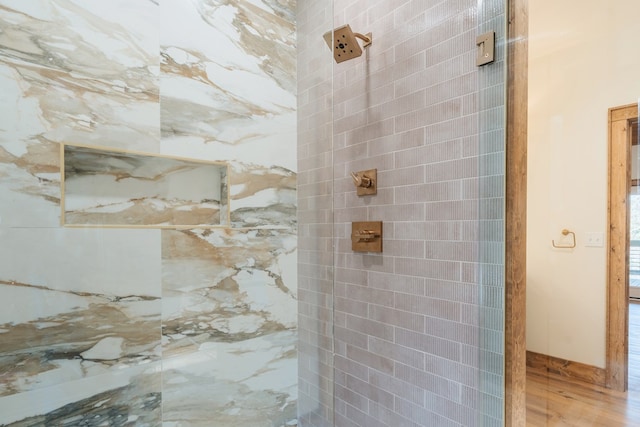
[
  {"x": 365, "y": 235},
  {"x": 361, "y": 180}
]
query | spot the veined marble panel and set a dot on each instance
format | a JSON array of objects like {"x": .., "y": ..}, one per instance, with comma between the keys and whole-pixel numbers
[
  {"x": 228, "y": 80},
  {"x": 30, "y": 183},
  {"x": 126, "y": 397},
  {"x": 262, "y": 197},
  {"x": 80, "y": 72},
  {"x": 229, "y": 327},
  {"x": 76, "y": 335},
  {"x": 237, "y": 384},
  {"x": 229, "y": 94},
  {"x": 120, "y": 262},
  {"x": 80, "y": 312},
  {"x": 105, "y": 187},
  {"x": 76, "y": 303}
]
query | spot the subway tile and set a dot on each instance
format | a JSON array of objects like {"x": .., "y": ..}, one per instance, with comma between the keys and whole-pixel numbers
[
  {"x": 370, "y": 327},
  {"x": 373, "y": 361},
  {"x": 452, "y": 291},
  {"x": 397, "y": 142},
  {"x": 353, "y": 367},
  {"x": 352, "y": 337},
  {"x": 399, "y": 212},
  {"x": 350, "y": 276},
  {"x": 370, "y": 391},
  {"x": 429, "y": 154},
  {"x": 452, "y": 210},
  {"x": 431, "y": 115},
  {"x": 452, "y": 330},
  {"x": 438, "y": 191},
  {"x": 403, "y": 389},
  {"x": 459, "y": 251},
  {"x": 401, "y": 177},
  {"x": 384, "y": 196},
  {"x": 397, "y": 283},
  {"x": 430, "y": 307},
  {"x": 452, "y": 170},
  {"x": 381, "y": 162},
  {"x": 424, "y": 416},
  {"x": 432, "y": 269},
  {"x": 389, "y": 417},
  {"x": 354, "y": 399},
  {"x": 403, "y": 319},
  {"x": 464, "y": 371},
  {"x": 404, "y": 248},
  {"x": 348, "y": 305},
  {"x": 435, "y": 384},
  {"x": 368, "y": 261}
]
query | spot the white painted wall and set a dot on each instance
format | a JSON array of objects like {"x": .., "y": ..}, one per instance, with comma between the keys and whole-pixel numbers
[{"x": 583, "y": 59}]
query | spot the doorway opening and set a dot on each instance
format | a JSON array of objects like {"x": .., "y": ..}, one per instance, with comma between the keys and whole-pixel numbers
[
  {"x": 621, "y": 125},
  {"x": 577, "y": 83},
  {"x": 634, "y": 216}
]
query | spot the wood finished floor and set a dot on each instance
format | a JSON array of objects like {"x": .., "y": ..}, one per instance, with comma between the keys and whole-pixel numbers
[{"x": 558, "y": 402}]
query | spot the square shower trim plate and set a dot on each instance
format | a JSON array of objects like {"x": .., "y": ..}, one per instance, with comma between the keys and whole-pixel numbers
[{"x": 366, "y": 236}]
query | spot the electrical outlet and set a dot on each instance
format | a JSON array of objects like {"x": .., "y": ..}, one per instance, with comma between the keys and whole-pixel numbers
[{"x": 595, "y": 239}]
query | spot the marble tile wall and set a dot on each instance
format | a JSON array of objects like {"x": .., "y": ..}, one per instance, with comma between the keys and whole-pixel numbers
[{"x": 142, "y": 326}]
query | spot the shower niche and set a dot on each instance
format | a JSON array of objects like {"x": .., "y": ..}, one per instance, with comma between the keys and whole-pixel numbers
[{"x": 116, "y": 188}]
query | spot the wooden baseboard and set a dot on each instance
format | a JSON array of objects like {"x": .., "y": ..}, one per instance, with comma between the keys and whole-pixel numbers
[{"x": 548, "y": 365}]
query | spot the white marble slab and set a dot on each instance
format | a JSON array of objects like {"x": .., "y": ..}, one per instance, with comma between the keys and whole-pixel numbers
[
  {"x": 82, "y": 309},
  {"x": 76, "y": 303},
  {"x": 30, "y": 190},
  {"x": 237, "y": 76},
  {"x": 229, "y": 300},
  {"x": 80, "y": 72},
  {"x": 237, "y": 384},
  {"x": 125, "y": 397},
  {"x": 119, "y": 262}
]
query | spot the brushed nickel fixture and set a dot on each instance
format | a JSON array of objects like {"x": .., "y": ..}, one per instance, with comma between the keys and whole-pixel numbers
[{"x": 342, "y": 41}]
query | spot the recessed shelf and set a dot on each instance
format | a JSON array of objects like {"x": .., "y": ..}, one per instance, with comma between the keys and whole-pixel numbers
[{"x": 116, "y": 188}]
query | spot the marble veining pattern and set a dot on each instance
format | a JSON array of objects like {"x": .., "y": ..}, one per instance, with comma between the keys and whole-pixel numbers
[
  {"x": 229, "y": 327},
  {"x": 108, "y": 187},
  {"x": 262, "y": 197},
  {"x": 237, "y": 79},
  {"x": 80, "y": 72},
  {"x": 80, "y": 338},
  {"x": 70, "y": 320},
  {"x": 142, "y": 327},
  {"x": 127, "y": 397},
  {"x": 30, "y": 174}
]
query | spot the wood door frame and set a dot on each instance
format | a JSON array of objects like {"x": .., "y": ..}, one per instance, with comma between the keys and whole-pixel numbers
[
  {"x": 516, "y": 214},
  {"x": 617, "y": 347},
  {"x": 515, "y": 236}
]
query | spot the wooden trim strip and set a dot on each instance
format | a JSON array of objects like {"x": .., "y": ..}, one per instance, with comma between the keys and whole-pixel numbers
[
  {"x": 516, "y": 213},
  {"x": 624, "y": 112},
  {"x": 549, "y": 365},
  {"x": 617, "y": 266}
]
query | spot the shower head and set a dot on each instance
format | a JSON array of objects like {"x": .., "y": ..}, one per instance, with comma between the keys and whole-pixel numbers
[{"x": 342, "y": 41}]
